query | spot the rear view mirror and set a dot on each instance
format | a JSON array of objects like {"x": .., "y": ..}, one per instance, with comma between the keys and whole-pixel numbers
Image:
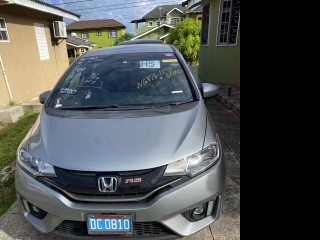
[
  {"x": 44, "y": 96},
  {"x": 209, "y": 90}
]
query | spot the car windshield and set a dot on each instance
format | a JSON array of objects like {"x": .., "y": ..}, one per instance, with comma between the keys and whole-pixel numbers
[{"x": 140, "y": 79}]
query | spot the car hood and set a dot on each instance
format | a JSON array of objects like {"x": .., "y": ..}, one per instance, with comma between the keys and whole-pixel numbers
[{"x": 118, "y": 144}]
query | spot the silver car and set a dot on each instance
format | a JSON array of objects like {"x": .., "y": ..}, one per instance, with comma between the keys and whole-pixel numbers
[{"x": 124, "y": 148}]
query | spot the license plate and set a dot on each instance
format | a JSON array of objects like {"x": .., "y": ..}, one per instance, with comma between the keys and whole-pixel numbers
[{"x": 110, "y": 224}]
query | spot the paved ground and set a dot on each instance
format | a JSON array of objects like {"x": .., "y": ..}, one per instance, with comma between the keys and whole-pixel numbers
[{"x": 14, "y": 227}]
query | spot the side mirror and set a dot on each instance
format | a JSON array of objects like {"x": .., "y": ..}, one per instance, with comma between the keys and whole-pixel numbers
[
  {"x": 209, "y": 90},
  {"x": 44, "y": 96}
]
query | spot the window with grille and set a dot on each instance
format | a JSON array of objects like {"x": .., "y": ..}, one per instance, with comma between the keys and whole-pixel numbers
[
  {"x": 84, "y": 35},
  {"x": 4, "y": 36},
  {"x": 83, "y": 51},
  {"x": 174, "y": 21},
  {"x": 205, "y": 25},
  {"x": 113, "y": 34},
  {"x": 229, "y": 22}
]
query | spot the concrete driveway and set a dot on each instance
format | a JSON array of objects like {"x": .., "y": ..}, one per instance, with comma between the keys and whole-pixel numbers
[{"x": 14, "y": 227}]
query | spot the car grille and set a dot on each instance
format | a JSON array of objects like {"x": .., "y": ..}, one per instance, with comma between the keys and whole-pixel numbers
[
  {"x": 83, "y": 186},
  {"x": 114, "y": 197},
  {"x": 146, "y": 229}
]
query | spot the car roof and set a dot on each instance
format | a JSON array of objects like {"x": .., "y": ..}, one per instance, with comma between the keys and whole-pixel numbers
[
  {"x": 134, "y": 48},
  {"x": 142, "y": 41}
]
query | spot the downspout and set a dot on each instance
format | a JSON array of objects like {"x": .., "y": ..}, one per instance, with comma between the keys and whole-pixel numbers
[{"x": 5, "y": 78}]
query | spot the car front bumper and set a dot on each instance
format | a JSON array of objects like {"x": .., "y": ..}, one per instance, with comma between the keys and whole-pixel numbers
[{"x": 165, "y": 208}]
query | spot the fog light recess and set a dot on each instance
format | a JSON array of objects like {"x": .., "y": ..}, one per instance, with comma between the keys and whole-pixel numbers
[
  {"x": 200, "y": 212},
  {"x": 37, "y": 212},
  {"x": 33, "y": 210}
]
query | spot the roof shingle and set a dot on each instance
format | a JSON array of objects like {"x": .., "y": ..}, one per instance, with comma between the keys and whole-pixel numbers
[
  {"x": 165, "y": 9},
  {"x": 79, "y": 42},
  {"x": 95, "y": 24}
]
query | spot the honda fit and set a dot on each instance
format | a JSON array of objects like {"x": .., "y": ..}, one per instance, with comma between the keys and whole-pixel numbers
[{"x": 123, "y": 148}]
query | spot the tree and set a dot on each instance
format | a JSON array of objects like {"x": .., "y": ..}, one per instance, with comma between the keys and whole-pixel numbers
[
  {"x": 186, "y": 37},
  {"x": 125, "y": 37}
]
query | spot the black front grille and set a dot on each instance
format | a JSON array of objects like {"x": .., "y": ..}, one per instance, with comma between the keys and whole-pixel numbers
[
  {"x": 146, "y": 229},
  {"x": 114, "y": 197},
  {"x": 131, "y": 186}
]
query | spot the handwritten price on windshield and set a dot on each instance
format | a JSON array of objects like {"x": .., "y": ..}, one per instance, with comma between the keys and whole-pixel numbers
[{"x": 160, "y": 75}]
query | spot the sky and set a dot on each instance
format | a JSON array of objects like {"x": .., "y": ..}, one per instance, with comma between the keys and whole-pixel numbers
[{"x": 124, "y": 11}]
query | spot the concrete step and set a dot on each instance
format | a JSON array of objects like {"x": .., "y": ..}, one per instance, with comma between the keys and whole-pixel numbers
[
  {"x": 11, "y": 114},
  {"x": 35, "y": 107}
]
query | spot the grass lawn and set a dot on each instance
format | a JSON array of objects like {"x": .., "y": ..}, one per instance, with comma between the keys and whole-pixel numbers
[{"x": 10, "y": 138}]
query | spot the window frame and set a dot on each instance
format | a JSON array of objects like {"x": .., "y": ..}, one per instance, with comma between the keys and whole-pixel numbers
[
  {"x": 158, "y": 23},
  {"x": 209, "y": 25},
  {"x": 83, "y": 51},
  {"x": 5, "y": 30},
  {"x": 175, "y": 18},
  {"x": 99, "y": 33},
  {"x": 218, "y": 43},
  {"x": 82, "y": 35},
  {"x": 111, "y": 31},
  {"x": 152, "y": 24}
]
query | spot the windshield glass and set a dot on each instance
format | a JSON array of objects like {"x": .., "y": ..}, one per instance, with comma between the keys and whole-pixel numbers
[{"x": 146, "y": 79}]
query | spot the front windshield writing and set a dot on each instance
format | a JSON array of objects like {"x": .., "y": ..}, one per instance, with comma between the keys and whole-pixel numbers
[{"x": 126, "y": 79}]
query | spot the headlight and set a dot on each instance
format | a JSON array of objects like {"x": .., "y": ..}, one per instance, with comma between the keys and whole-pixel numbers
[
  {"x": 34, "y": 165},
  {"x": 195, "y": 163}
]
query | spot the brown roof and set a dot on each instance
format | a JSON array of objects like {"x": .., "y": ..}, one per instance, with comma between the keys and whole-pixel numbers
[{"x": 95, "y": 24}]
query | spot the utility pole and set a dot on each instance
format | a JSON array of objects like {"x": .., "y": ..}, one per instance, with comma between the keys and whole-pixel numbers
[{"x": 160, "y": 15}]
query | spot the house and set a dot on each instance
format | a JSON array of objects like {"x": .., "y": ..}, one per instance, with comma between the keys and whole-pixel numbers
[
  {"x": 32, "y": 57},
  {"x": 158, "y": 22},
  {"x": 102, "y": 32},
  {"x": 78, "y": 46},
  {"x": 220, "y": 41},
  {"x": 195, "y": 13}
]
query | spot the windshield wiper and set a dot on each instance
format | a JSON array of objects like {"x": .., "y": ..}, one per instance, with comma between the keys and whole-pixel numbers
[
  {"x": 105, "y": 107},
  {"x": 172, "y": 104},
  {"x": 121, "y": 107},
  {"x": 87, "y": 107}
]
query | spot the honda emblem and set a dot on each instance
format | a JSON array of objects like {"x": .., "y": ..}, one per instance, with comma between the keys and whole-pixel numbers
[{"x": 108, "y": 184}]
